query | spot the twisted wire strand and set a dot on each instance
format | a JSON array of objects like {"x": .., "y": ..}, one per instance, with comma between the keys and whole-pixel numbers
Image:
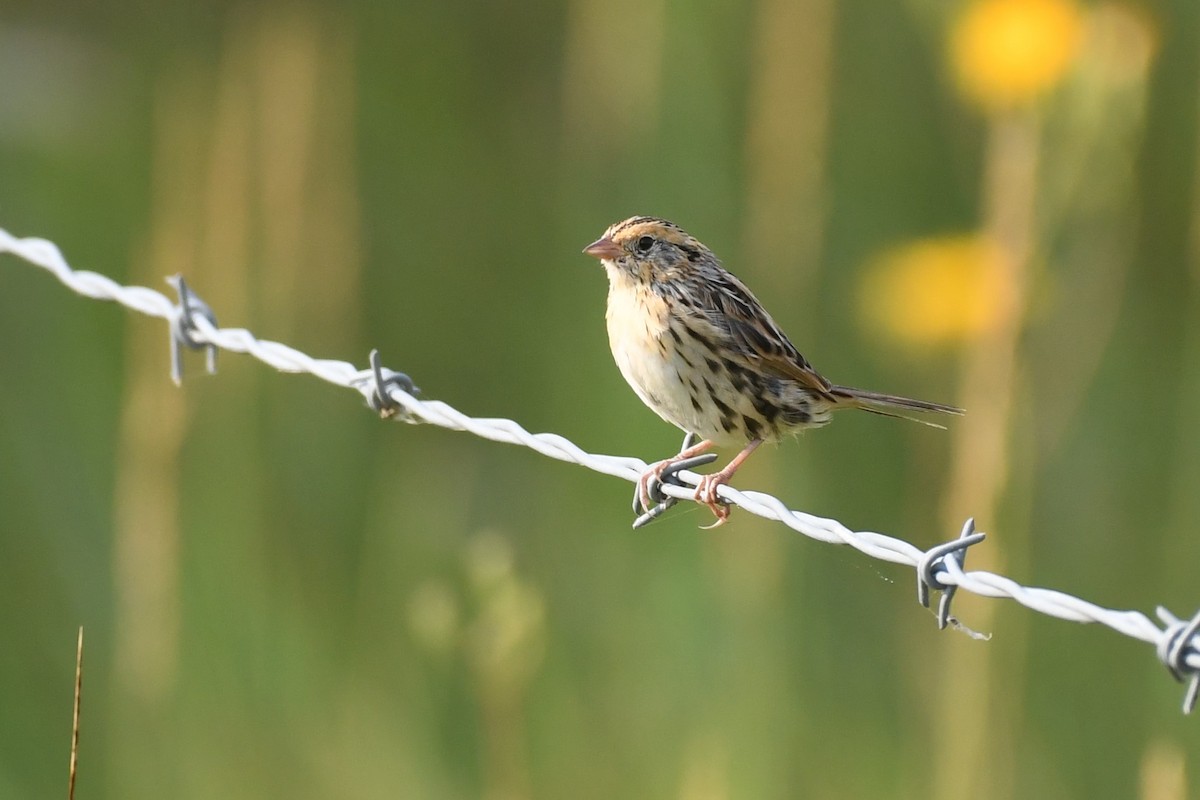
[{"x": 1176, "y": 642}]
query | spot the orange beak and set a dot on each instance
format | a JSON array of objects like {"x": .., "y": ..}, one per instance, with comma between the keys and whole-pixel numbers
[{"x": 603, "y": 248}]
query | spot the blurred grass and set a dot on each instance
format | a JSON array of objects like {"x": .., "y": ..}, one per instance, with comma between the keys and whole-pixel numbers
[{"x": 284, "y": 597}]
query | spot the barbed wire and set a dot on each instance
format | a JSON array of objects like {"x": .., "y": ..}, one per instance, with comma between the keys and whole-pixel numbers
[{"x": 193, "y": 325}]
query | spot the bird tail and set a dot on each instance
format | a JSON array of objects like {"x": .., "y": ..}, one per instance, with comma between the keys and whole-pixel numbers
[{"x": 890, "y": 405}]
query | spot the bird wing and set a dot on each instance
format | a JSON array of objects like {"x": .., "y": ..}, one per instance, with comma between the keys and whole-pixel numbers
[{"x": 734, "y": 310}]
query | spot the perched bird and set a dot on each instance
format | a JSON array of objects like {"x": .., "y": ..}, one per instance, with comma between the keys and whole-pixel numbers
[{"x": 699, "y": 349}]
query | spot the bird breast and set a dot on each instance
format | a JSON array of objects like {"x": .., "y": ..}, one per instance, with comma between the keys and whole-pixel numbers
[{"x": 651, "y": 361}]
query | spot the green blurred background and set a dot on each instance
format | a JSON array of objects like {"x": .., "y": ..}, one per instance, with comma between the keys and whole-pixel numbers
[{"x": 992, "y": 203}]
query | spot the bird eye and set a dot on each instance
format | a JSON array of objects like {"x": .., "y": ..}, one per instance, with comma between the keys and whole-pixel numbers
[{"x": 644, "y": 244}]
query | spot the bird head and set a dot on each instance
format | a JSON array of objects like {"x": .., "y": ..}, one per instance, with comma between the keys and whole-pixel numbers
[{"x": 648, "y": 249}]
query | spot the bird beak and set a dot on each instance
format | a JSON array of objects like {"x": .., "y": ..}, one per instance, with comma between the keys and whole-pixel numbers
[{"x": 603, "y": 248}]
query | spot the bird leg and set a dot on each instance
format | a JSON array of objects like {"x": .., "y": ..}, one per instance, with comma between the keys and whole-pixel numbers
[
  {"x": 655, "y": 470},
  {"x": 706, "y": 490}
]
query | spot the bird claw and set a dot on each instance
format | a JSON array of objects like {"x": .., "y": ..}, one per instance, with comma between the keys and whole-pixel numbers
[
  {"x": 648, "y": 493},
  {"x": 706, "y": 493}
]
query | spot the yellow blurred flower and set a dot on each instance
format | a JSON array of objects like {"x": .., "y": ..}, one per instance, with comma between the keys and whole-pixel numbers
[
  {"x": 1006, "y": 52},
  {"x": 939, "y": 290}
]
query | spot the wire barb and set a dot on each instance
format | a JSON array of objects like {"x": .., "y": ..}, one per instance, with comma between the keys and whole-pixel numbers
[
  {"x": 377, "y": 384},
  {"x": 1179, "y": 643},
  {"x": 939, "y": 568},
  {"x": 184, "y": 330},
  {"x": 948, "y": 559}
]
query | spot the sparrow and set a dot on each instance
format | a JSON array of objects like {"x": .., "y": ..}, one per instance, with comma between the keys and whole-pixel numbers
[{"x": 700, "y": 350}]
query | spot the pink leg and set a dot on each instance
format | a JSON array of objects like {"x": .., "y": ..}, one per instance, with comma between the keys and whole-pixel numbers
[
  {"x": 706, "y": 491},
  {"x": 655, "y": 470}
]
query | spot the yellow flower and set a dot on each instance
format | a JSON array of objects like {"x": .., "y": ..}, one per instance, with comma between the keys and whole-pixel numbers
[
  {"x": 1007, "y": 52},
  {"x": 938, "y": 290}
]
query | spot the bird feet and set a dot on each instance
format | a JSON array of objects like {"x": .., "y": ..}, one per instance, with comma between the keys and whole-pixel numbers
[
  {"x": 649, "y": 488},
  {"x": 706, "y": 489}
]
